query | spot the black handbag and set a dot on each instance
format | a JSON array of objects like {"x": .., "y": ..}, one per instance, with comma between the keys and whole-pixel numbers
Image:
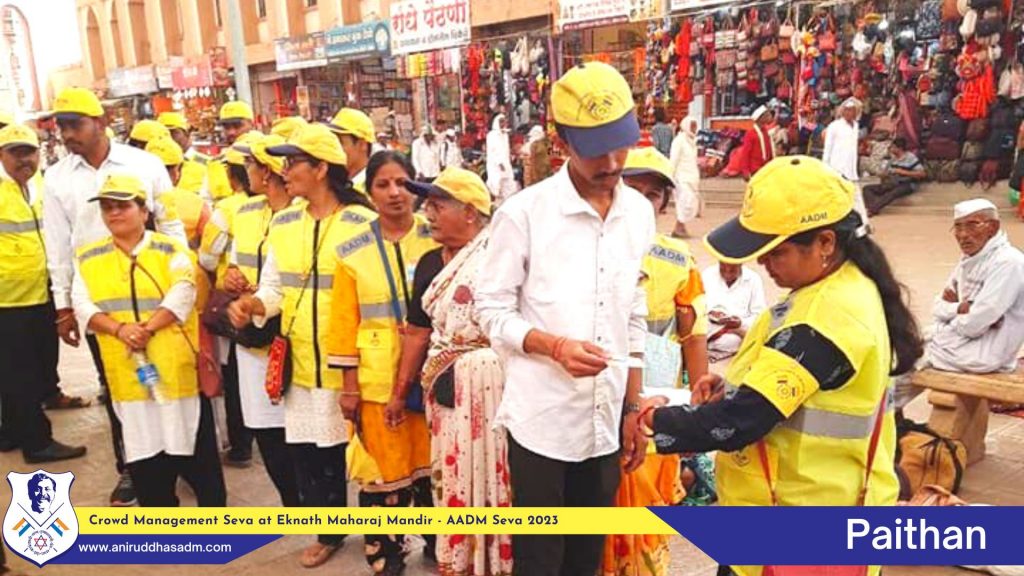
[
  {"x": 444, "y": 388},
  {"x": 414, "y": 396},
  {"x": 251, "y": 336}
]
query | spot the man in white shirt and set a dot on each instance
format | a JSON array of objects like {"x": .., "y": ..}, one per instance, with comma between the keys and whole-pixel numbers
[
  {"x": 979, "y": 316},
  {"x": 842, "y": 145},
  {"x": 72, "y": 221},
  {"x": 735, "y": 298},
  {"x": 426, "y": 155},
  {"x": 451, "y": 154},
  {"x": 561, "y": 299}
]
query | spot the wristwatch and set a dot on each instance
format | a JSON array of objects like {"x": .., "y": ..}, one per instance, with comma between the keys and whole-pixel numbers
[{"x": 630, "y": 407}]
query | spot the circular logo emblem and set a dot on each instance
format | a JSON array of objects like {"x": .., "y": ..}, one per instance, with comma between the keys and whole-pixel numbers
[
  {"x": 381, "y": 39},
  {"x": 40, "y": 542},
  {"x": 599, "y": 106}
]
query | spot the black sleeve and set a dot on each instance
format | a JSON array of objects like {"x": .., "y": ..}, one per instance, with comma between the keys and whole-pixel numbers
[
  {"x": 737, "y": 421},
  {"x": 429, "y": 266}
]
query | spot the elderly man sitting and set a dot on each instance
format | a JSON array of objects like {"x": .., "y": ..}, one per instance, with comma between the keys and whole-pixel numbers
[{"x": 979, "y": 317}]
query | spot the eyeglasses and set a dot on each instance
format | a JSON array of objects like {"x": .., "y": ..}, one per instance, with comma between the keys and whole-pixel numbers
[
  {"x": 969, "y": 226},
  {"x": 292, "y": 161}
]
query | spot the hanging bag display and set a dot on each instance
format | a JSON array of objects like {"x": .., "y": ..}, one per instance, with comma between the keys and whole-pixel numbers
[
  {"x": 663, "y": 359},
  {"x": 827, "y": 35}
]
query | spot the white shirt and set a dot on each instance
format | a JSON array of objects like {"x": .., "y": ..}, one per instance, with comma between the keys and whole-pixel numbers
[
  {"x": 451, "y": 154},
  {"x": 841, "y": 148},
  {"x": 989, "y": 337},
  {"x": 426, "y": 158},
  {"x": 149, "y": 427},
  {"x": 744, "y": 299},
  {"x": 555, "y": 266},
  {"x": 72, "y": 221}
]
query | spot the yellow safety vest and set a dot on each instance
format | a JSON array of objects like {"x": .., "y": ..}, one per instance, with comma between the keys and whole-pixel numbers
[
  {"x": 189, "y": 208},
  {"x": 193, "y": 174},
  {"x": 818, "y": 454},
  {"x": 218, "y": 232},
  {"x": 23, "y": 276},
  {"x": 359, "y": 183},
  {"x": 298, "y": 240},
  {"x": 129, "y": 295},
  {"x": 251, "y": 225},
  {"x": 217, "y": 179},
  {"x": 376, "y": 335},
  {"x": 668, "y": 269}
]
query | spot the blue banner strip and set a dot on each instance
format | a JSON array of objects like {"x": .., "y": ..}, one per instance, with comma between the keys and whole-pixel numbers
[
  {"x": 816, "y": 535},
  {"x": 162, "y": 549}
]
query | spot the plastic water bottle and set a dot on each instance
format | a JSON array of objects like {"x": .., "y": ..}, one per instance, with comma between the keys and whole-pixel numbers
[{"x": 146, "y": 372}]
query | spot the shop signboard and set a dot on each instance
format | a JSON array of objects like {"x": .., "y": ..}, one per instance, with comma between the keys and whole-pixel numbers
[
  {"x": 371, "y": 38},
  {"x": 298, "y": 52},
  {"x": 680, "y": 5},
  {"x": 425, "y": 25},
  {"x": 577, "y": 14},
  {"x": 195, "y": 72},
  {"x": 123, "y": 82},
  {"x": 165, "y": 72},
  {"x": 640, "y": 10}
]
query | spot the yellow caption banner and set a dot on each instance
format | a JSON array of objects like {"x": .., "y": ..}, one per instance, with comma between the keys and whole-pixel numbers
[{"x": 370, "y": 521}]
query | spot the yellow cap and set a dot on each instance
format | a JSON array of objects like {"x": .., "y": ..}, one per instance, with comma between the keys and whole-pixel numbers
[
  {"x": 285, "y": 127},
  {"x": 18, "y": 135},
  {"x": 594, "y": 110},
  {"x": 232, "y": 155},
  {"x": 173, "y": 121},
  {"x": 148, "y": 130},
  {"x": 75, "y": 101},
  {"x": 237, "y": 110},
  {"x": 314, "y": 140},
  {"x": 167, "y": 150},
  {"x": 121, "y": 187},
  {"x": 458, "y": 183},
  {"x": 353, "y": 122},
  {"x": 258, "y": 151},
  {"x": 648, "y": 161},
  {"x": 789, "y": 195},
  {"x": 6, "y": 118}
]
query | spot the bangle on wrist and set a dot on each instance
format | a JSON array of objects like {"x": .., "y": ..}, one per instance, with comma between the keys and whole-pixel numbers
[
  {"x": 64, "y": 318},
  {"x": 350, "y": 393},
  {"x": 117, "y": 332},
  {"x": 643, "y": 416}
]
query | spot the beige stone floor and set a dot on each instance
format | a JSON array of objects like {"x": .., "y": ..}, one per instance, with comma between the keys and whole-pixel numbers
[{"x": 921, "y": 250}]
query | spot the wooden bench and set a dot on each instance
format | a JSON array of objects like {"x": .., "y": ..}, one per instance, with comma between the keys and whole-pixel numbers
[{"x": 960, "y": 403}]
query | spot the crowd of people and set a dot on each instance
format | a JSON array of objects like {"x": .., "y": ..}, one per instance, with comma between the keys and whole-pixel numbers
[{"x": 490, "y": 347}]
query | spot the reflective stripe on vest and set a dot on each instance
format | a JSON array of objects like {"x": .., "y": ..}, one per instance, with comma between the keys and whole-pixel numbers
[
  {"x": 244, "y": 259},
  {"x": 379, "y": 311},
  {"x": 659, "y": 326},
  {"x": 94, "y": 252},
  {"x": 17, "y": 227},
  {"x": 125, "y": 305},
  {"x": 293, "y": 280}
]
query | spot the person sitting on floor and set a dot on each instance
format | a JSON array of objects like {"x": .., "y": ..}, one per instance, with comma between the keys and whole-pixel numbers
[
  {"x": 904, "y": 172},
  {"x": 735, "y": 298},
  {"x": 979, "y": 317}
]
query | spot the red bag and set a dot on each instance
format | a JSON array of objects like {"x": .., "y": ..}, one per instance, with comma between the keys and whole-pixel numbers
[
  {"x": 211, "y": 384},
  {"x": 827, "y": 570},
  {"x": 279, "y": 369}
]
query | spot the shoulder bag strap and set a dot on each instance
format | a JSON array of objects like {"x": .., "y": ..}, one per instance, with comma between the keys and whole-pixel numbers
[
  {"x": 876, "y": 434},
  {"x": 762, "y": 452},
  {"x": 396, "y": 308}
]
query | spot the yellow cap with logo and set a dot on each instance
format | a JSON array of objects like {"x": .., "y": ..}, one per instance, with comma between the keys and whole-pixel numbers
[
  {"x": 167, "y": 150},
  {"x": 258, "y": 151},
  {"x": 458, "y": 183},
  {"x": 594, "y": 110},
  {"x": 235, "y": 111},
  {"x": 787, "y": 196},
  {"x": 285, "y": 127},
  {"x": 148, "y": 130},
  {"x": 18, "y": 135},
  {"x": 355, "y": 123},
  {"x": 312, "y": 140},
  {"x": 121, "y": 187},
  {"x": 173, "y": 121},
  {"x": 641, "y": 161},
  {"x": 74, "y": 101}
]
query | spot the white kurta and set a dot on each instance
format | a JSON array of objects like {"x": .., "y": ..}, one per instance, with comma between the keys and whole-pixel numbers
[
  {"x": 744, "y": 300},
  {"x": 990, "y": 336}
]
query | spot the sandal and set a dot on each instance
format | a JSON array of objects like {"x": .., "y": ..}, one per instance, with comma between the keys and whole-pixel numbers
[
  {"x": 318, "y": 554},
  {"x": 62, "y": 401}
]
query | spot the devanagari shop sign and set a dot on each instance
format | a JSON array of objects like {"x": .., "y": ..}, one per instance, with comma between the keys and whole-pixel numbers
[{"x": 425, "y": 25}]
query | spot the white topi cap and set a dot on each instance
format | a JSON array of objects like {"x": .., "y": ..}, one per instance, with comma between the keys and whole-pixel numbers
[
  {"x": 852, "y": 102},
  {"x": 761, "y": 111},
  {"x": 968, "y": 207}
]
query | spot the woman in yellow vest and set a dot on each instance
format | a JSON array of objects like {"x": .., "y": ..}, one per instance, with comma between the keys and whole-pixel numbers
[
  {"x": 248, "y": 252},
  {"x": 372, "y": 291},
  {"x": 298, "y": 274},
  {"x": 213, "y": 257},
  {"x": 675, "y": 304},
  {"x": 135, "y": 290},
  {"x": 808, "y": 393},
  {"x": 28, "y": 339},
  {"x": 190, "y": 208}
]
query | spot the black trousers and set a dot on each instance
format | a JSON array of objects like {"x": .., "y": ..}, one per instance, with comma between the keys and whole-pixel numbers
[
  {"x": 322, "y": 480},
  {"x": 155, "y": 478},
  {"x": 115, "y": 424},
  {"x": 239, "y": 436},
  {"x": 541, "y": 481},
  {"x": 277, "y": 459},
  {"x": 52, "y": 355},
  {"x": 28, "y": 337},
  {"x": 879, "y": 196}
]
